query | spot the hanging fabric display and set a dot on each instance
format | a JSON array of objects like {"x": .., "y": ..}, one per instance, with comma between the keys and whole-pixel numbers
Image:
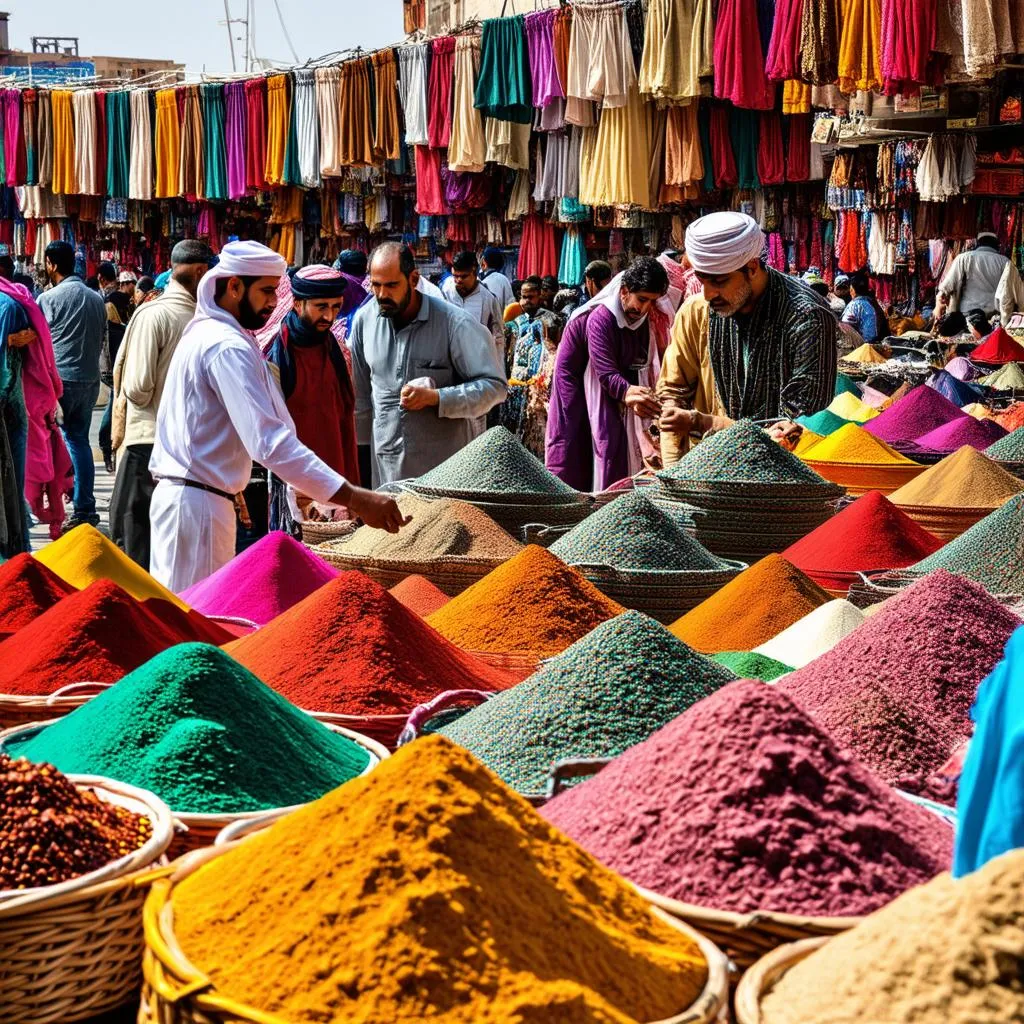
[
  {"x": 100, "y": 113},
  {"x": 537, "y": 251},
  {"x": 29, "y": 113},
  {"x": 191, "y": 172},
  {"x": 140, "y": 163},
  {"x": 684, "y": 161},
  {"x": 14, "y": 145},
  {"x": 573, "y": 261},
  {"x": 412, "y": 86},
  {"x": 798, "y": 151},
  {"x": 256, "y": 123},
  {"x": 44, "y": 135},
  {"x": 86, "y": 171},
  {"x": 118, "y": 128},
  {"x": 671, "y": 64},
  {"x": 860, "y": 46},
  {"x": 771, "y": 156},
  {"x": 386, "y": 132},
  {"x": 908, "y": 36},
  {"x": 214, "y": 141},
  {"x": 292, "y": 170},
  {"x": 540, "y": 42},
  {"x": 726, "y": 174},
  {"x": 307, "y": 131},
  {"x": 743, "y": 131},
  {"x": 235, "y": 132},
  {"x": 616, "y": 171},
  {"x": 429, "y": 192},
  {"x": 577, "y": 112},
  {"x": 354, "y": 115},
  {"x": 439, "y": 102},
  {"x": 278, "y": 116},
  {"x": 819, "y": 42},
  {"x": 600, "y": 57},
  {"x": 739, "y": 63},
  {"x": 796, "y": 97},
  {"x": 468, "y": 148},
  {"x": 328, "y": 86},
  {"x": 503, "y": 89},
  {"x": 508, "y": 143},
  {"x": 783, "y": 56},
  {"x": 168, "y": 144}
]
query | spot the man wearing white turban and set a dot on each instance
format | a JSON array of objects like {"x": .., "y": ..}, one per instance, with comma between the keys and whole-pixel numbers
[
  {"x": 220, "y": 410},
  {"x": 768, "y": 341}
]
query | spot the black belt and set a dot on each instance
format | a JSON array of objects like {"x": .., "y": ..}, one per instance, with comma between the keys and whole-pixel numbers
[{"x": 199, "y": 487}]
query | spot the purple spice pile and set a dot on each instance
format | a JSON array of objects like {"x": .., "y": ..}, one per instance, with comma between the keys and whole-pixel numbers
[
  {"x": 898, "y": 690},
  {"x": 917, "y": 412},
  {"x": 744, "y": 803},
  {"x": 952, "y": 436}
]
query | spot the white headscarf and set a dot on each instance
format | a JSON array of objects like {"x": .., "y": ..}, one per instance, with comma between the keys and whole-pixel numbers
[
  {"x": 720, "y": 243},
  {"x": 237, "y": 259}
]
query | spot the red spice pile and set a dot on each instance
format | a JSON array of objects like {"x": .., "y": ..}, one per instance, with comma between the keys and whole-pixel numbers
[
  {"x": 27, "y": 589},
  {"x": 418, "y": 594},
  {"x": 95, "y": 635},
  {"x": 871, "y": 534},
  {"x": 353, "y": 649}
]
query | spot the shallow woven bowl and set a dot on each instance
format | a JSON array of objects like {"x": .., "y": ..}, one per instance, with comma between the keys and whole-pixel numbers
[
  {"x": 73, "y": 950},
  {"x": 757, "y": 982},
  {"x": 175, "y": 992},
  {"x": 859, "y": 479}
]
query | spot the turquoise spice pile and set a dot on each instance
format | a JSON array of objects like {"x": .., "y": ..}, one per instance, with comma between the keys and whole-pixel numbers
[{"x": 604, "y": 694}]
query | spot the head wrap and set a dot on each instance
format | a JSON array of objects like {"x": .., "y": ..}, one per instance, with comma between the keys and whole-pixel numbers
[
  {"x": 351, "y": 261},
  {"x": 721, "y": 243},
  {"x": 237, "y": 259},
  {"x": 841, "y": 279},
  {"x": 318, "y": 282}
]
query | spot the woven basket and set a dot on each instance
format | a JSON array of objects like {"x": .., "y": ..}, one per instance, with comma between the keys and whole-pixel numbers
[
  {"x": 18, "y": 710},
  {"x": 175, "y": 992},
  {"x": 859, "y": 479},
  {"x": 198, "y": 830},
  {"x": 318, "y": 533},
  {"x": 71, "y": 951},
  {"x": 381, "y": 729},
  {"x": 764, "y": 975},
  {"x": 452, "y": 575},
  {"x": 946, "y": 523},
  {"x": 745, "y": 938},
  {"x": 1016, "y": 468}
]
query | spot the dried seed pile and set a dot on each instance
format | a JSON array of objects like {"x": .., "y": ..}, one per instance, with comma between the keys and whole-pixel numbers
[
  {"x": 1009, "y": 448},
  {"x": 964, "y": 480},
  {"x": 751, "y": 665}
]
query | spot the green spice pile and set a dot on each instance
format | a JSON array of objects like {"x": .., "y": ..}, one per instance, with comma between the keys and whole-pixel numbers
[
  {"x": 204, "y": 734},
  {"x": 496, "y": 463},
  {"x": 991, "y": 552},
  {"x": 635, "y": 534},
  {"x": 823, "y": 422},
  {"x": 603, "y": 695},
  {"x": 751, "y": 665},
  {"x": 52, "y": 831},
  {"x": 1009, "y": 448},
  {"x": 742, "y": 454},
  {"x": 440, "y": 528}
]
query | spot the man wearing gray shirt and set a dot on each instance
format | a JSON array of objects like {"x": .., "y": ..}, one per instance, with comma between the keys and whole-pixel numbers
[
  {"x": 426, "y": 373},
  {"x": 78, "y": 324}
]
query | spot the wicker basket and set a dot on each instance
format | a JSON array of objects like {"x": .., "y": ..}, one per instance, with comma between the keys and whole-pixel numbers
[
  {"x": 945, "y": 523},
  {"x": 452, "y": 575},
  {"x": 381, "y": 729},
  {"x": 18, "y": 710},
  {"x": 858, "y": 479},
  {"x": 71, "y": 951},
  {"x": 198, "y": 830},
  {"x": 314, "y": 533},
  {"x": 745, "y": 938},
  {"x": 762, "y": 976},
  {"x": 175, "y": 992}
]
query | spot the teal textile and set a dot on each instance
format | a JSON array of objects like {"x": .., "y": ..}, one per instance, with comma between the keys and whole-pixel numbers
[
  {"x": 704, "y": 125},
  {"x": 744, "y": 131},
  {"x": 214, "y": 150},
  {"x": 292, "y": 171},
  {"x": 990, "y": 807},
  {"x": 574, "y": 257},
  {"x": 504, "y": 89},
  {"x": 118, "y": 143}
]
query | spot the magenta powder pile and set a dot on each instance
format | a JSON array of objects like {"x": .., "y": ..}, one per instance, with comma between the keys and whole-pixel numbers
[
  {"x": 262, "y": 582},
  {"x": 744, "y": 803},
  {"x": 898, "y": 690},
  {"x": 916, "y": 413},
  {"x": 952, "y": 436}
]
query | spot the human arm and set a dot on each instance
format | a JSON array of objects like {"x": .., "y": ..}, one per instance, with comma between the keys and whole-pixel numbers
[
  {"x": 604, "y": 354},
  {"x": 474, "y": 359},
  {"x": 362, "y": 384},
  {"x": 494, "y": 321},
  {"x": 811, "y": 339},
  {"x": 1009, "y": 293},
  {"x": 141, "y": 346},
  {"x": 950, "y": 288}
]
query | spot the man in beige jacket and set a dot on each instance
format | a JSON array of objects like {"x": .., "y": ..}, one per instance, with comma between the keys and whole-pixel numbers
[{"x": 139, "y": 374}]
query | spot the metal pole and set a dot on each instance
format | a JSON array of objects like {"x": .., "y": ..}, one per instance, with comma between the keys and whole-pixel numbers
[{"x": 231, "y": 41}]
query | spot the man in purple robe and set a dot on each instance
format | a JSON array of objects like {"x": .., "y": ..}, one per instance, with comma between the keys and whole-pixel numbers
[{"x": 604, "y": 377}]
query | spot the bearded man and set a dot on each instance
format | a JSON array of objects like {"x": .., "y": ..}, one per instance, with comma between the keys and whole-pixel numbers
[
  {"x": 426, "y": 372},
  {"x": 220, "y": 410}
]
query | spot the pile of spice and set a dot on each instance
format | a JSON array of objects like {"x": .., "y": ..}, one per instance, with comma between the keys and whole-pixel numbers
[
  {"x": 743, "y": 803},
  {"x": 846, "y": 384},
  {"x": 991, "y": 552},
  {"x": 428, "y": 891},
  {"x": 865, "y": 354},
  {"x": 52, "y": 831},
  {"x": 635, "y": 534},
  {"x": 962, "y": 368},
  {"x": 204, "y": 734},
  {"x": 850, "y": 407},
  {"x": 440, "y": 528},
  {"x": 822, "y": 423},
  {"x": 83, "y": 556},
  {"x": 979, "y": 411},
  {"x": 808, "y": 438},
  {"x": 1009, "y": 448},
  {"x": 418, "y": 594},
  {"x": 95, "y": 635},
  {"x": 959, "y": 392},
  {"x": 919, "y": 411},
  {"x": 27, "y": 589},
  {"x": 757, "y": 605},
  {"x": 869, "y": 534},
  {"x": 998, "y": 348},
  {"x": 1009, "y": 378},
  {"x": 964, "y": 480},
  {"x": 814, "y": 635},
  {"x": 898, "y": 690},
  {"x": 496, "y": 463},
  {"x": 606, "y": 693},
  {"x": 947, "y": 951},
  {"x": 751, "y": 665},
  {"x": 352, "y": 649},
  {"x": 263, "y": 581},
  {"x": 1012, "y": 418},
  {"x": 953, "y": 436},
  {"x": 533, "y": 603},
  {"x": 853, "y": 445}
]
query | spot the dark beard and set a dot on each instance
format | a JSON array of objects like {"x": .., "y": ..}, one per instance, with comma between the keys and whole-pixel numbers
[{"x": 249, "y": 318}]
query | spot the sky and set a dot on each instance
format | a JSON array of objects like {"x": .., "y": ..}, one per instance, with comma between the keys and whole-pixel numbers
[{"x": 191, "y": 31}]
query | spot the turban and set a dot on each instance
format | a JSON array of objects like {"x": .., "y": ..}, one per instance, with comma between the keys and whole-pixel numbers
[
  {"x": 237, "y": 259},
  {"x": 723, "y": 242},
  {"x": 318, "y": 283},
  {"x": 351, "y": 261}
]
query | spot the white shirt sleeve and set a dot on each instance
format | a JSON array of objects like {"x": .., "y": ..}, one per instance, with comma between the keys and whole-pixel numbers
[{"x": 240, "y": 382}]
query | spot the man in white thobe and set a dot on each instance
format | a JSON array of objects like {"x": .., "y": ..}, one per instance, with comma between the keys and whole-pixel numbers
[{"x": 220, "y": 410}]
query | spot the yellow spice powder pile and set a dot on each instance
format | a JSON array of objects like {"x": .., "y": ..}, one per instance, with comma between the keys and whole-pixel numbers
[
  {"x": 949, "y": 951},
  {"x": 427, "y": 890}
]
